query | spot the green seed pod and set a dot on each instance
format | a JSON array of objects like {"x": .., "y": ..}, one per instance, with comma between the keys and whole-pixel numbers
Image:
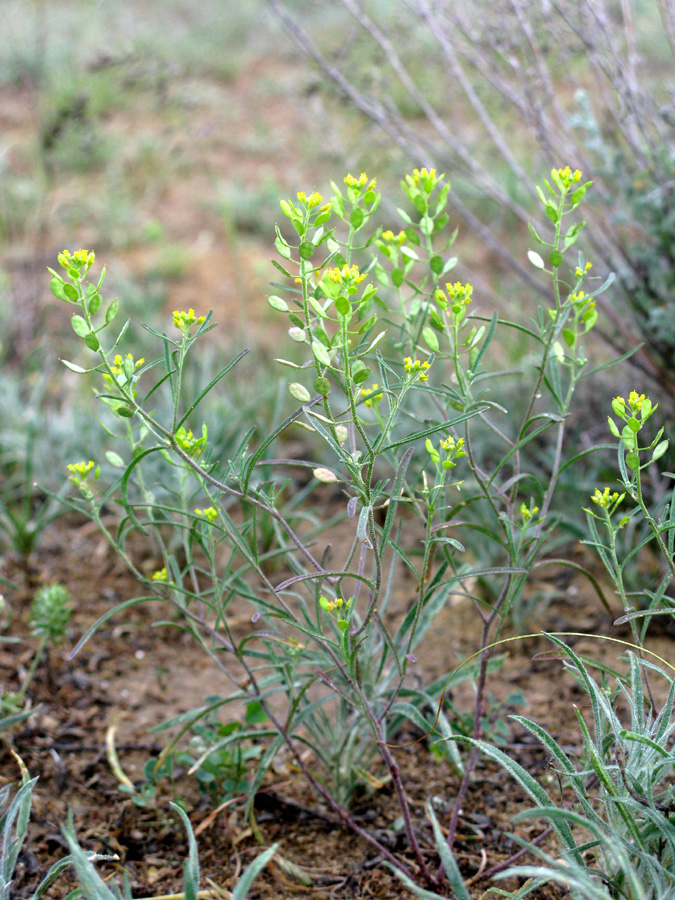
[{"x": 321, "y": 386}]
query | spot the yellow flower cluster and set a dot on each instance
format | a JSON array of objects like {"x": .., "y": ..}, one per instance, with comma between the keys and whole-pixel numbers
[
  {"x": 415, "y": 367},
  {"x": 331, "y": 605},
  {"x": 183, "y": 320},
  {"x": 76, "y": 260},
  {"x": 79, "y": 475},
  {"x": 634, "y": 413},
  {"x": 636, "y": 400},
  {"x": 450, "y": 445},
  {"x": 420, "y": 175},
  {"x": 210, "y": 514},
  {"x": 568, "y": 177},
  {"x": 118, "y": 362},
  {"x": 391, "y": 238},
  {"x": 161, "y": 575},
  {"x": 347, "y": 275},
  {"x": 453, "y": 451},
  {"x": 528, "y": 513},
  {"x": 186, "y": 441},
  {"x": 360, "y": 182},
  {"x": 604, "y": 499},
  {"x": 587, "y": 268},
  {"x": 81, "y": 469},
  {"x": 635, "y": 403},
  {"x": 460, "y": 293},
  {"x": 584, "y": 304},
  {"x": 312, "y": 201},
  {"x": 373, "y": 394}
]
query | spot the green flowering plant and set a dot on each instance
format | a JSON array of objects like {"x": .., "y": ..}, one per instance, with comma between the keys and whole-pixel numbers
[
  {"x": 323, "y": 645},
  {"x": 615, "y": 837},
  {"x": 634, "y": 456}
]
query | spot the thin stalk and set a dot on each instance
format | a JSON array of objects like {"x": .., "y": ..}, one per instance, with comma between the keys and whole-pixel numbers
[{"x": 670, "y": 562}]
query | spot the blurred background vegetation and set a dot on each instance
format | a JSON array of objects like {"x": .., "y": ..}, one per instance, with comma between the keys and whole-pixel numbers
[{"x": 163, "y": 133}]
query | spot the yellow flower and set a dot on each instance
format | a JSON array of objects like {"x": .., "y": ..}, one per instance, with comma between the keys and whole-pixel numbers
[
  {"x": 450, "y": 444},
  {"x": 189, "y": 443},
  {"x": 82, "y": 469},
  {"x": 528, "y": 513},
  {"x": 347, "y": 276},
  {"x": 567, "y": 177},
  {"x": 637, "y": 403},
  {"x": 421, "y": 175},
  {"x": 416, "y": 368},
  {"x": 185, "y": 441},
  {"x": 389, "y": 237},
  {"x": 332, "y": 605},
  {"x": 636, "y": 400},
  {"x": 460, "y": 293},
  {"x": 79, "y": 475},
  {"x": 374, "y": 396},
  {"x": 184, "y": 320},
  {"x": 210, "y": 514},
  {"x": 80, "y": 259},
  {"x": 117, "y": 368},
  {"x": 161, "y": 575},
  {"x": 359, "y": 182},
  {"x": 310, "y": 202},
  {"x": 604, "y": 499}
]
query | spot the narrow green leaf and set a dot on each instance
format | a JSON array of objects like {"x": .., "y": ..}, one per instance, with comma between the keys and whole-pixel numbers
[
  {"x": 214, "y": 381},
  {"x": 251, "y": 872}
]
